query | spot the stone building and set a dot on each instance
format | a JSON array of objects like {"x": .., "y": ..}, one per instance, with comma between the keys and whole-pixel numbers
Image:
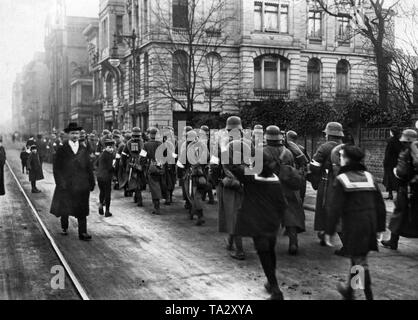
[
  {"x": 266, "y": 49},
  {"x": 68, "y": 65},
  {"x": 30, "y": 104}
]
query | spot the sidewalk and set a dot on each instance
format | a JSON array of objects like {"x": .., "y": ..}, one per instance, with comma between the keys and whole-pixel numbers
[{"x": 310, "y": 199}]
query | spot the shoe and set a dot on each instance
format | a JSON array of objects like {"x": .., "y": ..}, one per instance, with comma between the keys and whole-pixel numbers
[
  {"x": 268, "y": 288},
  {"x": 200, "y": 222},
  {"x": 341, "y": 253},
  {"x": 101, "y": 212},
  {"x": 392, "y": 243},
  {"x": 346, "y": 292},
  {"x": 293, "y": 250},
  {"x": 36, "y": 191},
  {"x": 64, "y": 232},
  {"x": 108, "y": 214},
  {"x": 238, "y": 256},
  {"x": 276, "y": 295},
  {"x": 321, "y": 237},
  {"x": 85, "y": 237}
]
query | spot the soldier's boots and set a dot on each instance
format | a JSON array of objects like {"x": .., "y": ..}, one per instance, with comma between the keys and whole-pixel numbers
[
  {"x": 101, "y": 212},
  {"x": 293, "y": 241},
  {"x": 392, "y": 243},
  {"x": 156, "y": 210},
  {"x": 108, "y": 214}
]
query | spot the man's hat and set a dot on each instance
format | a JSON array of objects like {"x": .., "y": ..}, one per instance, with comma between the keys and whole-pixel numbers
[
  {"x": 409, "y": 135},
  {"x": 292, "y": 135},
  {"x": 273, "y": 133},
  {"x": 234, "y": 122},
  {"x": 334, "y": 129},
  {"x": 72, "y": 127},
  {"x": 109, "y": 142}
]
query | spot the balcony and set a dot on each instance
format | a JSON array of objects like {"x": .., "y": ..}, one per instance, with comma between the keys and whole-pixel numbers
[
  {"x": 180, "y": 92},
  {"x": 213, "y": 33},
  {"x": 272, "y": 94},
  {"x": 214, "y": 93},
  {"x": 180, "y": 31}
]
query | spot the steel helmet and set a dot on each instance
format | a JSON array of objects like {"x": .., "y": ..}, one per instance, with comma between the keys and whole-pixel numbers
[
  {"x": 273, "y": 133},
  {"x": 409, "y": 135},
  {"x": 234, "y": 122},
  {"x": 334, "y": 129}
]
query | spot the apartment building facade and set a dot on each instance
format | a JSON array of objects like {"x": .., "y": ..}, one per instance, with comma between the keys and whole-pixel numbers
[{"x": 267, "y": 50}]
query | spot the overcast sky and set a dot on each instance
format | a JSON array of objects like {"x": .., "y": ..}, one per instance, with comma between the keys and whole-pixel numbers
[{"x": 22, "y": 32}]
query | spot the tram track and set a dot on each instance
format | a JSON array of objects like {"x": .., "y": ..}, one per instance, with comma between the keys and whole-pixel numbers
[{"x": 81, "y": 292}]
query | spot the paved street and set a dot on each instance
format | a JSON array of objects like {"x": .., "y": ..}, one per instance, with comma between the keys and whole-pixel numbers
[{"x": 135, "y": 255}]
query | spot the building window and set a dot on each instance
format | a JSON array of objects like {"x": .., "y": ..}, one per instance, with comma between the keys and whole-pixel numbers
[
  {"x": 109, "y": 88},
  {"x": 119, "y": 28},
  {"x": 271, "y": 73},
  {"x": 315, "y": 25},
  {"x": 314, "y": 76},
  {"x": 105, "y": 34},
  {"x": 180, "y": 14},
  {"x": 343, "y": 29},
  {"x": 343, "y": 68},
  {"x": 146, "y": 74},
  {"x": 267, "y": 16},
  {"x": 180, "y": 68},
  {"x": 213, "y": 64}
]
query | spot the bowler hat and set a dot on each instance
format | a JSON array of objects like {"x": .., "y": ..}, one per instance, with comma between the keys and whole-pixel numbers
[{"x": 72, "y": 127}]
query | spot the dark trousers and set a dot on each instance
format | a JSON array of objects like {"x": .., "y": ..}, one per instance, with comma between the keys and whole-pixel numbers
[
  {"x": 266, "y": 250},
  {"x": 105, "y": 187},
  {"x": 33, "y": 184},
  {"x": 82, "y": 224},
  {"x": 23, "y": 167}
]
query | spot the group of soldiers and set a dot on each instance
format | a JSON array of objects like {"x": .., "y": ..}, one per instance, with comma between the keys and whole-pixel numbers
[{"x": 203, "y": 160}]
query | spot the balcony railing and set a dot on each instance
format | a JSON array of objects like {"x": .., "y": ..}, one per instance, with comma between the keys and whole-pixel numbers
[
  {"x": 180, "y": 92},
  {"x": 272, "y": 94},
  {"x": 213, "y": 93},
  {"x": 211, "y": 32},
  {"x": 180, "y": 31}
]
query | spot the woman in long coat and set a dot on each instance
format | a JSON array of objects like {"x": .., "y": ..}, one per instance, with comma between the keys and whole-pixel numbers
[
  {"x": 2, "y": 162},
  {"x": 74, "y": 179},
  {"x": 393, "y": 149}
]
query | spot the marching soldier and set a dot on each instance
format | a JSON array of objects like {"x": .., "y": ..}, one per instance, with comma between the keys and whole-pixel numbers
[
  {"x": 117, "y": 137},
  {"x": 404, "y": 222},
  {"x": 205, "y": 138},
  {"x": 170, "y": 174},
  {"x": 301, "y": 159},
  {"x": 131, "y": 161},
  {"x": 121, "y": 171},
  {"x": 294, "y": 215},
  {"x": 154, "y": 169},
  {"x": 322, "y": 176},
  {"x": 181, "y": 172}
]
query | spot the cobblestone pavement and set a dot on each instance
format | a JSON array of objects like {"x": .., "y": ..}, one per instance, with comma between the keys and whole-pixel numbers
[{"x": 135, "y": 255}]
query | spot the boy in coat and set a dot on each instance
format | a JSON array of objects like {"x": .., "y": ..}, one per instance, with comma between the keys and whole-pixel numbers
[
  {"x": 34, "y": 168},
  {"x": 24, "y": 155},
  {"x": 104, "y": 175},
  {"x": 358, "y": 201},
  {"x": 261, "y": 215}
]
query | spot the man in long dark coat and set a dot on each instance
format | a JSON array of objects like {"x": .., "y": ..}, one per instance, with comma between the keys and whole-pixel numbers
[
  {"x": 322, "y": 176},
  {"x": 74, "y": 179},
  {"x": 2, "y": 162},
  {"x": 393, "y": 149},
  {"x": 404, "y": 221}
]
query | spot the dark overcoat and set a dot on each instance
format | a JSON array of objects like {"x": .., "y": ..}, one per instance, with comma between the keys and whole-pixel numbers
[
  {"x": 74, "y": 181},
  {"x": 322, "y": 167},
  {"x": 263, "y": 206},
  {"x": 392, "y": 152},
  {"x": 35, "y": 168},
  {"x": 404, "y": 221},
  {"x": 358, "y": 201},
  {"x": 294, "y": 215},
  {"x": 2, "y": 162},
  {"x": 155, "y": 179}
]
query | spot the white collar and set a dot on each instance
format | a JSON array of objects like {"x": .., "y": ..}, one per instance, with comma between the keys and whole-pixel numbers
[{"x": 270, "y": 179}]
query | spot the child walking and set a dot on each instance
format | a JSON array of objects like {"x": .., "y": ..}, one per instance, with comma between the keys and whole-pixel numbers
[
  {"x": 24, "y": 155},
  {"x": 105, "y": 175},
  {"x": 260, "y": 217},
  {"x": 358, "y": 201},
  {"x": 34, "y": 168}
]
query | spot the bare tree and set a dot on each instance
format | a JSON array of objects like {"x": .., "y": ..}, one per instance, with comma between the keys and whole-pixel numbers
[
  {"x": 374, "y": 21},
  {"x": 189, "y": 33}
]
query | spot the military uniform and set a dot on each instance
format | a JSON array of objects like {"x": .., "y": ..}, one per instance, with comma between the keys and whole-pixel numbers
[{"x": 134, "y": 166}]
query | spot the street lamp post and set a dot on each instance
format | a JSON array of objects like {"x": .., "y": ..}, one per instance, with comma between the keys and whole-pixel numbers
[{"x": 115, "y": 61}]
